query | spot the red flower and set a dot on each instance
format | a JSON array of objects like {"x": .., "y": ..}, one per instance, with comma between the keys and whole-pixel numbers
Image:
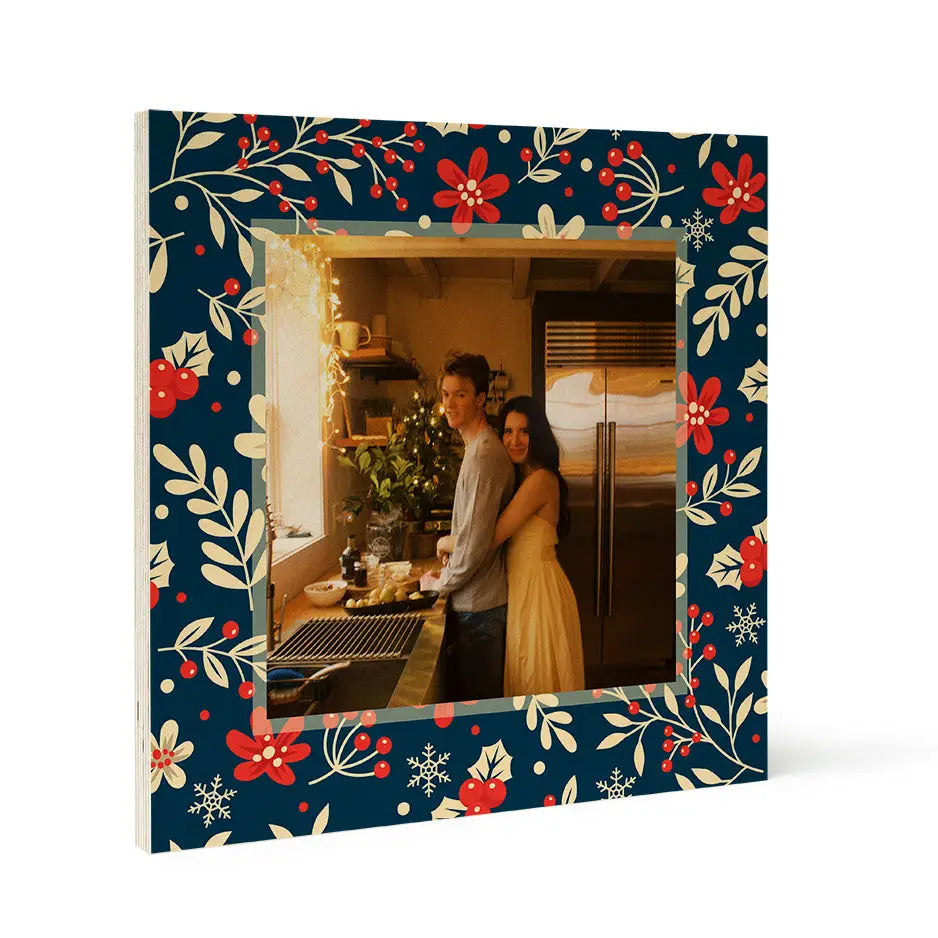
[
  {"x": 264, "y": 753},
  {"x": 699, "y": 413},
  {"x": 736, "y": 195},
  {"x": 470, "y": 193}
]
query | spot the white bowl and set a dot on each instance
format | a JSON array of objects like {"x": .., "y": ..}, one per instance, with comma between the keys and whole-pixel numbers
[{"x": 326, "y": 593}]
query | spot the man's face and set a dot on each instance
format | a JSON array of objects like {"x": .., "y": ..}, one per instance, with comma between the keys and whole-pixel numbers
[{"x": 461, "y": 404}]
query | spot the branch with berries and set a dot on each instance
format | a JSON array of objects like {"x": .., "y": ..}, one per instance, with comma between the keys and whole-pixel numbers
[
  {"x": 545, "y": 152},
  {"x": 630, "y": 167},
  {"x": 680, "y": 733},
  {"x": 240, "y": 655},
  {"x": 731, "y": 488},
  {"x": 258, "y": 141},
  {"x": 361, "y": 752},
  {"x": 219, "y": 309}
]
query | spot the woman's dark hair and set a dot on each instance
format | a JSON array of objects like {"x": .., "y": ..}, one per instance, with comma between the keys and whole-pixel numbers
[{"x": 543, "y": 450}]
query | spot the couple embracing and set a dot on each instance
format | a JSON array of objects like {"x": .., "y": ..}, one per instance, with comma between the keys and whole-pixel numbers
[{"x": 512, "y": 627}]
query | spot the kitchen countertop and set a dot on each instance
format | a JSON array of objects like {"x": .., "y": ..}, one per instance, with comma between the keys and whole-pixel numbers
[{"x": 421, "y": 680}]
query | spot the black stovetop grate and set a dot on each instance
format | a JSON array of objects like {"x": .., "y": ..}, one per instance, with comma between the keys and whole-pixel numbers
[{"x": 347, "y": 638}]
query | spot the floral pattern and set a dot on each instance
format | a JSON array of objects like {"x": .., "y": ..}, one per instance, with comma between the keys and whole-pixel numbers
[
  {"x": 223, "y": 189},
  {"x": 267, "y": 753},
  {"x": 470, "y": 193},
  {"x": 165, "y": 756},
  {"x": 697, "y": 414},
  {"x": 736, "y": 195}
]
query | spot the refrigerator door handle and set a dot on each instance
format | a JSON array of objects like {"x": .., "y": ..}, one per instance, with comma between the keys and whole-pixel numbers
[
  {"x": 600, "y": 506},
  {"x": 611, "y": 523}
]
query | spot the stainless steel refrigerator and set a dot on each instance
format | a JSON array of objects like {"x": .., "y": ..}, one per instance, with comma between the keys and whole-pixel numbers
[{"x": 609, "y": 393}]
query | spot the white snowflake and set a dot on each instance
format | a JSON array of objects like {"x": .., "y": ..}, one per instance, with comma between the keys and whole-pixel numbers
[
  {"x": 617, "y": 785},
  {"x": 697, "y": 227},
  {"x": 429, "y": 769},
  {"x": 745, "y": 624},
  {"x": 615, "y": 134},
  {"x": 213, "y": 800}
]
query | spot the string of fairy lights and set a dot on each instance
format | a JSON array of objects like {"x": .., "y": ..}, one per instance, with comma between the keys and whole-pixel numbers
[{"x": 299, "y": 267}]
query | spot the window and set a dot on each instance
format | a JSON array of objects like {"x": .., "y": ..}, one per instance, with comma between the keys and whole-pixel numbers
[{"x": 294, "y": 406}]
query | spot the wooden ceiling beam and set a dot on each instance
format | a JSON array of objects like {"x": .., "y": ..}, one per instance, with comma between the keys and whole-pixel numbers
[
  {"x": 381, "y": 246},
  {"x": 426, "y": 274},
  {"x": 607, "y": 271},
  {"x": 520, "y": 274},
  {"x": 583, "y": 284}
]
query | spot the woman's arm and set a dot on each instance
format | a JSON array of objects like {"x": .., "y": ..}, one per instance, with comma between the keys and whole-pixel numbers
[{"x": 535, "y": 492}]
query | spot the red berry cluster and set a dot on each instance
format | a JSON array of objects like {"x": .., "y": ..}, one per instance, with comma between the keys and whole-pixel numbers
[
  {"x": 479, "y": 797},
  {"x": 607, "y": 176},
  {"x": 169, "y": 384},
  {"x": 681, "y": 743},
  {"x": 755, "y": 556},
  {"x": 263, "y": 134}
]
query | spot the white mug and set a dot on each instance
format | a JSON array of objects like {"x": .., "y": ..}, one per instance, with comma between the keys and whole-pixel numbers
[{"x": 350, "y": 335}]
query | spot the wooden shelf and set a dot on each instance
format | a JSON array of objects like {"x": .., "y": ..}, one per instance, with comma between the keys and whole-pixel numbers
[
  {"x": 348, "y": 443},
  {"x": 381, "y": 365}
]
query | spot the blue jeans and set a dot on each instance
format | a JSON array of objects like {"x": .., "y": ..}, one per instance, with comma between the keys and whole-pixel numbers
[{"x": 475, "y": 654}]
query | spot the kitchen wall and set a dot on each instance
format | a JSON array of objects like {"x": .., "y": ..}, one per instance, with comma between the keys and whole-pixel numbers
[{"x": 473, "y": 315}]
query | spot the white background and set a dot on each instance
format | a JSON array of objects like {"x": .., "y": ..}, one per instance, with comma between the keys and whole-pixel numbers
[{"x": 842, "y": 837}]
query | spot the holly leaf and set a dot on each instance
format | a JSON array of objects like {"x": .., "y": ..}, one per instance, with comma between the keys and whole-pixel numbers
[
  {"x": 724, "y": 571},
  {"x": 683, "y": 279},
  {"x": 443, "y": 129},
  {"x": 161, "y": 565},
  {"x": 494, "y": 762},
  {"x": 448, "y": 808},
  {"x": 755, "y": 383},
  {"x": 191, "y": 350}
]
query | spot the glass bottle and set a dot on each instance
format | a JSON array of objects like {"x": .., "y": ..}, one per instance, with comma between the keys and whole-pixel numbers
[{"x": 348, "y": 559}]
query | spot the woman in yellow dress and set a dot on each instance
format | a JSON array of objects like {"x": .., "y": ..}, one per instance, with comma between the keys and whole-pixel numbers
[{"x": 543, "y": 646}]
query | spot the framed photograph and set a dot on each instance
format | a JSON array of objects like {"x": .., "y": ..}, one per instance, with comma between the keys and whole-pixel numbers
[{"x": 451, "y": 470}]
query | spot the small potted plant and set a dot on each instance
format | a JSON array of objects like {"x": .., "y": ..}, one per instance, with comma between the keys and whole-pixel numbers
[{"x": 389, "y": 475}]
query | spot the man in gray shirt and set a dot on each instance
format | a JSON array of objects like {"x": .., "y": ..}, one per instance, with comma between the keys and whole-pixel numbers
[{"x": 474, "y": 578}]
